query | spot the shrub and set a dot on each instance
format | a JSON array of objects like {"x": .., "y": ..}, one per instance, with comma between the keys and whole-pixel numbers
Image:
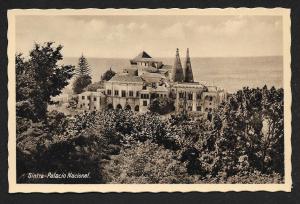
[{"x": 145, "y": 163}]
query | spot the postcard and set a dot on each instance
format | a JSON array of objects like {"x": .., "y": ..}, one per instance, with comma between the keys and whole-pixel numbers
[{"x": 149, "y": 100}]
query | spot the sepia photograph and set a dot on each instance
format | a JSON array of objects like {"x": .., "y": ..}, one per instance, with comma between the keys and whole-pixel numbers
[{"x": 196, "y": 98}]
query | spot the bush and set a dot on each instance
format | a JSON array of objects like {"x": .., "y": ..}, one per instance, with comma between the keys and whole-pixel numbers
[
  {"x": 145, "y": 163},
  {"x": 162, "y": 106},
  {"x": 243, "y": 143}
]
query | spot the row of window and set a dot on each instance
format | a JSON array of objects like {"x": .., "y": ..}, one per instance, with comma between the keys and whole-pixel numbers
[
  {"x": 189, "y": 96},
  {"x": 198, "y": 108},
  {"x": 82, "y": 105},
  {"x": 123, "y": 93},
  {"x": 88, "y": 98},
  {"x": 156, "y": 95},
  {"x": 145, "y": 96}
]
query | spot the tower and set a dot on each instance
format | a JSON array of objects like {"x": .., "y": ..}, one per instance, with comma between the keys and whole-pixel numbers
[
  {"x": 177, "y": 73},
  {"x": 188, "y": 72}
]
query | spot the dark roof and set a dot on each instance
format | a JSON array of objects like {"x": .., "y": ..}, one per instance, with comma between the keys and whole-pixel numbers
[
  {"x": 143, "y": 55},
  {"x": 126, "y": 78},
  {"x": 153, "y": 75}
]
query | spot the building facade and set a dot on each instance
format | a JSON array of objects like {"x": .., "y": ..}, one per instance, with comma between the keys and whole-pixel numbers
[
  {"x": 92, "y": 101},
  {"x": 146, "y": 79}
]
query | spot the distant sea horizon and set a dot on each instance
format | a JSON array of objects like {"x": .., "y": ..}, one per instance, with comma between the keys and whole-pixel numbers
[{"x": 229, "y": 73}]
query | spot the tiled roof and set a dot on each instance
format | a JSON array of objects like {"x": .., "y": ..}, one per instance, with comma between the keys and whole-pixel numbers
[
  {"x": 134, "y": 66},
  {"x": 153, "y": 75},
  {"x": 150, "y": 69},
  {"x": 143, "y": 57},
  {"x": 126, "y": 78},
  {"x": 167, "y": 67},
  {"x": 143, "y": 54}
]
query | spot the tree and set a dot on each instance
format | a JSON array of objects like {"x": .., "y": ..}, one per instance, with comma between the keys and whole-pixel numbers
[
  {"x": 39, "y": 78},
  {"x": 83, "y": 78},
  {"x": 95, "y": 86},
  {"x": 81, "y": 83},
  {"x": 146, "y": 163},
  {"x": 108, "y": 75},
  {"x": 83, "y": 67},
  {"x": 247, "y": 134},
  {"x": 72, "y": 103},
  {"x": 162, "y": 105}
]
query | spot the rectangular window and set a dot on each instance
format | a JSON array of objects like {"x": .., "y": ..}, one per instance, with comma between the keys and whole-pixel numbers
[
  {"x": 89, "y": 97},
  {"x": 109, "y": 92},
  {"x": 190, "y": 96},
  {"x": 198, "y": 96},
  {"x": 95, "y": 99},
  {"x": 145, "y": 96},
  {"x": 198, "y": 108},
  {"x": 144, "y": 103},
  {"x": 82, "y": 97},
  {"x": 137, "y": 94},
  {"x": 130, "y": 93},
  {"x": 123, "y": 93},
  {"x": 116, "y": 92},
  {"x": 181, "y": 95}
]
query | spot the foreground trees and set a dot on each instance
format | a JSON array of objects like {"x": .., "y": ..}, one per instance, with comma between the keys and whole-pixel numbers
[
  {"x": 145, "y": 163},
  {"x": 39, "y": 78},
  {"x": 242, "y": 143},
  {"x": 162, "y": 106}
]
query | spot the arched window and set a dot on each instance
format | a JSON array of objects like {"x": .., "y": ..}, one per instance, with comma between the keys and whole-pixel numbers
[
  {"x": 110, "y": 106},
  {"x": 119, "y": 106},
  {"x": 127, "y": 107}
]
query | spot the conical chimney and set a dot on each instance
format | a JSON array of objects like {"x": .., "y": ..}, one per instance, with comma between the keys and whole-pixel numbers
[
  {"x": 188, "y": 72},
  {"x": 177, "y": 73}
]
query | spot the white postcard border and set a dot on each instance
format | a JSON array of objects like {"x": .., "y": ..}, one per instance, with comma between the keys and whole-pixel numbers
[{"x": 80, "y": 188}]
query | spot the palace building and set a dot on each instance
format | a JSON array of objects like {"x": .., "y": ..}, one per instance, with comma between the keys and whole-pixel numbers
[{"x": 146, "y": 79}]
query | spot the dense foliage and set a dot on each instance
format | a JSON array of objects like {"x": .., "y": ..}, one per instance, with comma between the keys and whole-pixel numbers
[
  {"x": 39, "y": 78},
  {"x": 162, "y": 106},
  {"x": 95, "y": 86},
  {"x": 243, "y": 143},
  {"x": 83, "y": 76},
  {"x": 108, "y": 75}
]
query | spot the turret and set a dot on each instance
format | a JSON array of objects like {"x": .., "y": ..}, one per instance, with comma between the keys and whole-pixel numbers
[
  {"x": 177, "y": 73},
  {"x": 188, "y": 72}
]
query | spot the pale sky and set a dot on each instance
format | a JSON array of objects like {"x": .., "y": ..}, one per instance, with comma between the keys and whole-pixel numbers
[{"x": 126, "y": 36}]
